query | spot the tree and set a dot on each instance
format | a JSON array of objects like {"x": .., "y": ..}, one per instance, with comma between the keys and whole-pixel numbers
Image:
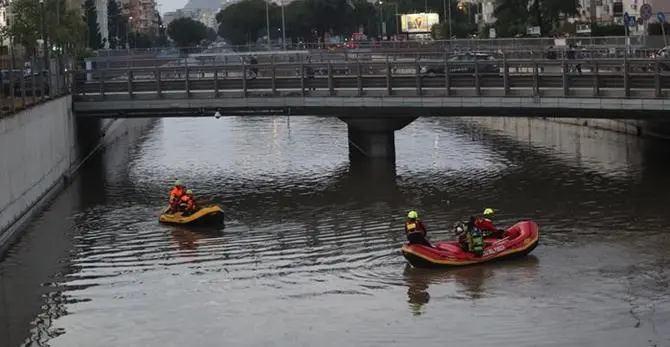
[
  {"x": 61, "y": 26},
  {"x": 245, "y": 21},
  {"x": 513, "y": 16},
  {"x": 114, "y": 24},
  {"x": 94, "y": 38},
  {"x": 139, "y": 40},
  {"x": 553, "y": 11},
  {"x": 186, "y": 32}
]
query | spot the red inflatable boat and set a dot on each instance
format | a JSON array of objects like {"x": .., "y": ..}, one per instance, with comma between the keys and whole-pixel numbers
[{"x": 517, "y": 241}]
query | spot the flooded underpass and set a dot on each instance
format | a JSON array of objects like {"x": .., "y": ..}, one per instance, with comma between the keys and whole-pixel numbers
[{"x": 309, "y": 255}]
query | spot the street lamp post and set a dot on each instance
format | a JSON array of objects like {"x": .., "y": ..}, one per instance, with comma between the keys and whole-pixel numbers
[
  {"x": 267, "y": 22},
  {"x": 283, "y": 26},
  {"x": 382, "y": 22},
  {"x": 446, "y": 8},
  {"x": 451, "y": 34},
  {"x": 397, "y": 17},
  {"x": 128, "y": 33},
  {"x": 44, "y": 36}
]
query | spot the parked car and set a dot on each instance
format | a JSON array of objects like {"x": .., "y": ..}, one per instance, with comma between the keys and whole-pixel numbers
[
  {"x": 28, "y": 77},
  {"x": 462, "y": 63},
  {"x": 6, "y": 79}
]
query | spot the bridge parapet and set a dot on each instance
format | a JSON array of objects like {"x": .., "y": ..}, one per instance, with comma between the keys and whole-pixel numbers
[
  {"x": 376, "y": 98},
  {"x": 601, "y": 83}
]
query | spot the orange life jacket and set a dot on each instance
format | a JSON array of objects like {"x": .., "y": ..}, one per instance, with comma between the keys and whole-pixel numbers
[
  {"x": 176, "y": 193},
  {"x": 187, "y": 202}
]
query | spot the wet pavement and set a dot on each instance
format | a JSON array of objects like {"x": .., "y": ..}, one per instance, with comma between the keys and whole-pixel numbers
[{"x": 310, "y": 254}]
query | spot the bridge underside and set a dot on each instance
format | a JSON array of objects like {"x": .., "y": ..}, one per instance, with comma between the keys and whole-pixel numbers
[
  {"x": 372, "y": 121},
  {"x": 570, "y": 107}
]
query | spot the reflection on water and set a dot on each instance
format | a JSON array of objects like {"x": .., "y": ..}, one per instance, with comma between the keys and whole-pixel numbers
[
  {"x": 468, "y": 283},
  {"x": 309, "y": 255}
]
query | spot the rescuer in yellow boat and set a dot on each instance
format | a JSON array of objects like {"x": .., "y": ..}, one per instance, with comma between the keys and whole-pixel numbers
[
  {"x": 187, "y": 203},
  {"x": 415, "y": 229},
  {"x": 175, "y": 195}
]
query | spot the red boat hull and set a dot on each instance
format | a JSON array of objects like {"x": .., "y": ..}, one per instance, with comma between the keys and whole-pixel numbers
[{"x": 517, "y": 241}]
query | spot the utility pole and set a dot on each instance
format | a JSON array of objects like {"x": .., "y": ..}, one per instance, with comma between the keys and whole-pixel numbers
[
  {"x": 44, "y": 37},
  {"x": 283, "y": 26},
  {"x": 451, "y": 33},
  {"x": 267, "y": 22}
]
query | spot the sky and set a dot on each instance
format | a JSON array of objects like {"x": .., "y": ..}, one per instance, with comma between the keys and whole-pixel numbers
[{"x": 170, "y": 5}]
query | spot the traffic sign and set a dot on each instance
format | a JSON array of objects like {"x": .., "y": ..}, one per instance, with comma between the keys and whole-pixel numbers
[
  {"x": 661, "y": 17},
  {"x": 645, "y": 11},
  {"x": 629, "y": 20}
]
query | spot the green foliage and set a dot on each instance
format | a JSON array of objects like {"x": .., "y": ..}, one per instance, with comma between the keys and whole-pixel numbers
[
  {"x": 514, "y": 16},
  {"x": 511, "y": 17},
  {"x": 187, "y": 32},
  {"x": 115, "y": 25},
  {"x": 458, "y": 30},
  {"x": 30, "y": 22},
  {"x": 242, "y": 22},
  {"x": 245, "y": 21},
  {"x": 607, "y": 30},
  {"x": 94, "y": 38}
]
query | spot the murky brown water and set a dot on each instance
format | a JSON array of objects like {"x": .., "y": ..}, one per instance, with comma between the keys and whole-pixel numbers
[{"x": 309, "y": 255}]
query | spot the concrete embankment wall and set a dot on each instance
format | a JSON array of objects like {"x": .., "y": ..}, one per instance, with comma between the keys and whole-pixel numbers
[
  {"x": 644, "y": 128},
  {"x": 605, "y": 151},
  {"x": 40, "y": 148}
]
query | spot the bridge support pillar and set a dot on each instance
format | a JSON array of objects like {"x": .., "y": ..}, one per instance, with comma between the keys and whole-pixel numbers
[{"x": 374, "y": 137}]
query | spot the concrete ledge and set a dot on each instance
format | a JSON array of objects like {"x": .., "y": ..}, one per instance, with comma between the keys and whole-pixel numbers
[{"x": 573, "y": 107}]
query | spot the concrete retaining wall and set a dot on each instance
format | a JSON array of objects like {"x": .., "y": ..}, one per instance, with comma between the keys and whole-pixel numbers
[
  {"x": 623, "y": 126},
  {"x": 37, "y": 147},
  {"x": 599, "y": 146},
  {"x": 40, "y": 148}
]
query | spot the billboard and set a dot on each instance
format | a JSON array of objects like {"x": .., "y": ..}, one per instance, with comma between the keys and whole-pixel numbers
[{"x": 418, "y": 22}]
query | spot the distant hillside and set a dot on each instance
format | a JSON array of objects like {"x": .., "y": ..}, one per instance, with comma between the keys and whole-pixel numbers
[{"x": 206, "y": 4}]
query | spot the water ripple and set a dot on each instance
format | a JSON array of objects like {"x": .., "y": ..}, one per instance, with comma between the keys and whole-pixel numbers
[{"x": 310, "y": 251}]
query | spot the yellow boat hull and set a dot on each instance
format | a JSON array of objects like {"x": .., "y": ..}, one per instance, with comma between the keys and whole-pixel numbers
[{"x": 208, "y": 215}]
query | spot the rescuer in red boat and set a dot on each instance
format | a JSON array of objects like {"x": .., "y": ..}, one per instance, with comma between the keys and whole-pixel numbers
[
  {"x": 485, "y": 224},
  {"x": 470, "y": 237},
  {"x": 416, "y": 230}
]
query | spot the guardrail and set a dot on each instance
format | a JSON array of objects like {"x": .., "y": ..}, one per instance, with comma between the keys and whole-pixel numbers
[
  {"x": 470, "y": 44},
  {"x": 21, "y": 89},
  {"x": 612, "y": 78}
]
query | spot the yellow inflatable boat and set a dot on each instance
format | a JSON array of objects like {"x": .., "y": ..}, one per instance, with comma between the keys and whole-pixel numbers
[{"x": 207, "y": 215}]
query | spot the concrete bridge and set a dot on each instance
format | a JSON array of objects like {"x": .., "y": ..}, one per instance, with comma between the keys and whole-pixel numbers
[{"x": 376, "y": 98}]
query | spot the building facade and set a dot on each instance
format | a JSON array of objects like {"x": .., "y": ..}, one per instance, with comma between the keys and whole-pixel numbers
[
  {"x": 143, "y": 16},
  {"x": 599, "y": 11}
]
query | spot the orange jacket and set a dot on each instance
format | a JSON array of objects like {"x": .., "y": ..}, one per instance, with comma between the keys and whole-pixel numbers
[
  {"x": 176, "y": 193},
  {"x": 188, "y": 201}
]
